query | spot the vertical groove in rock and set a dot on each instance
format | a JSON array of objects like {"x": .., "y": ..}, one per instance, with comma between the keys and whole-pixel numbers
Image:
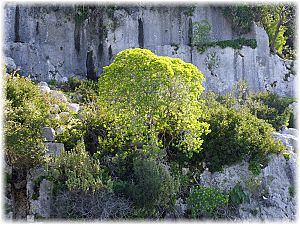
[
  {"x": 190, "y": 35},
  {"x": 37, "y": 28},
  {"x": 77, "y": 37},
  {"x": 90, "y": 67},
  {"x": 141, "y": 33},
  {"x": 17, "y": 24},
  {"x": 101, "y": 41},
  {"x": 109, "y": 53}
]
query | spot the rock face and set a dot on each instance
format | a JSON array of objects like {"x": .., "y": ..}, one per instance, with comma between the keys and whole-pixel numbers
[
  {"x": 271, "y": 194},
  {"x": 59, "y": 43}
]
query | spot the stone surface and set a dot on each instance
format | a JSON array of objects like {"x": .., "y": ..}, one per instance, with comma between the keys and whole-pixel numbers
[
  {"x": 45, "y": 34},
  {"x": 48, "y": 133},
  {"x": 55, "y": 108},
  {"x": 287, "y": 138},
  {"x": 59, "y": 96},
  {"x": 43, "y": 84},
  {"x": 44, "y": 89},
  {"x": 73, "y": 107},
  {"x": 59, "y": 130},
  {"x": 64, "y": 115},
  {"x": 10, "y": 64},
  {"x": 42, "y": 206},
  {"x": 270, "y": 192},
  {"x": 54, "y": 149}
]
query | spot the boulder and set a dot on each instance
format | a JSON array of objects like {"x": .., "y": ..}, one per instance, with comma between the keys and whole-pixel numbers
[
  {"x": 64, "y": 115},
  {"x": 63, "y": 80},
  {"x": 41, "y": 207},
  {"x": 43, "y": 84},
  {"x": 48, "y": 133},
  {"x": 59, "y": 96},
  {"x": 44, "y": 89},
  {"x": 291, "y": 131},
  {"x": 73, "y": 107},
  {"x": 270, "y": 193},
  {"x": 286, "y": 138},
  {"x": 55, "y": 108},
  {"x": 10, "y": 64},
  {"x": 54, "y": 149}
]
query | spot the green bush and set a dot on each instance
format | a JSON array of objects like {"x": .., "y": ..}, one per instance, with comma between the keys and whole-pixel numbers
[
  {"x": 236, "y": 135},
  {"x": 204, "y": 201},
  {"x": 77, "y": 171},
  {"x": 272, "y": 108},
  {"x": 268, "y": 106},
  {"x": 201, "y": 32},
  {"x": 153, "y": 187},
  {"x": 241, "y": 16},
  {"x": 74, "y": 130},
  {"x": 26, "y": 113},
  {"x": 237, "y": 195},
  {"x": 150, "y": 100},
  {"x": 235, "y": 44}
]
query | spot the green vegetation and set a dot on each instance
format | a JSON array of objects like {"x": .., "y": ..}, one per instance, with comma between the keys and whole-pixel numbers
[
  {"x": 277, "y": 19},
  {"x": 237, "y": 196},
  {"x": 235, "y": 44},
  {"x": 152, "y": 100},
  {"x": 77, "y": 171},
  {"x": 201, "y": 33},
  {"x": 143, "y": 135},
  {"x": 204, "y": 201},
  {"x": 244, "y": 134},
  {"x": 160, "y": 185},
  {"x": 201, "y": 40},
  {"x": 272, "y": 108},
  {"x": 26, "y": 113}
]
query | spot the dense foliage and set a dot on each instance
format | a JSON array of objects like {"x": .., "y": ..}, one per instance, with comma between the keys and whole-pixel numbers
[
  {"x": 236, "y": 135},
  {"x": 77, "y": 171},
  {"x": 204, "y": 201},
  {"x": 235, "y": 44},
  {"x": 272, "y": 108},
  {"x": 153, "y": 187},
  {"x": 151, "y": 100},
  {"x": 26, "y": 113},
  {"x": 277, "y": 19},
  {"x": 201, "y": 32},
  {"x": 142, "y": 137}
]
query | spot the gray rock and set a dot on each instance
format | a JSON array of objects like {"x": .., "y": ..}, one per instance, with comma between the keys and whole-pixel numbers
[
  {"x": 63, "y": 80},
  {"x": 59, "y": 96},
  {"x": 291, "y": 131},
  {"x": 287, "y": 139},
  {"x": 44, "y": 89},
  {"x": 269, "y": 192},
  {"x": 165, "y": 30},
  {"x": 64, "y": 115},
  {"x": 55, "y": 108},
  {"x": 54, "y": 149},
  {"x": 48, "y": 133},
  {"x": 43, "y": 84},
  {"x": 59, "y": 130},
  {"x": 10, "y": 64},
  {"x": 30, "y": 218},
  {"x": 42, "y": 206},
  {"x": 73, "y": 107}
]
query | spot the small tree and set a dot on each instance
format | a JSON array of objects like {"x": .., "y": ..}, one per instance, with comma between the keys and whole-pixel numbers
[
  {"x": 26, "y": 112},
  {"x": 201, "y": 32},
  {"x": 153, "y": 100}
]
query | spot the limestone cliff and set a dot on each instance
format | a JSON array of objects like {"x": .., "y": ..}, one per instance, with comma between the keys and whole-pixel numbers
[{"x": 52, "y": 42}]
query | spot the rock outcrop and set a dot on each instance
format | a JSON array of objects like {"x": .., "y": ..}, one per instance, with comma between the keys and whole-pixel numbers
[
  {"x": 271, "y": 194},
  {"x": 54, "y": 42}
]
